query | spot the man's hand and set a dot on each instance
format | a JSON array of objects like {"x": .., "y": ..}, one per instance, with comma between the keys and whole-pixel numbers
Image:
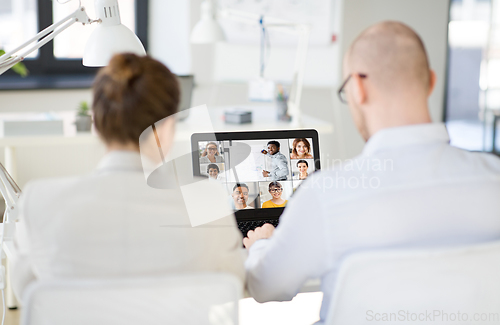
[
  {"x": 264, "y": 232},
  {"x": 264, "y": 152},
  {"x": 265, "y": 173}
]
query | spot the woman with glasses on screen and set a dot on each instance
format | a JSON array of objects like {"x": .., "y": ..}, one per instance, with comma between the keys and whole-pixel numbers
[
  {"x": 211, "y": 154},
  {"x": 110, "y": 223},
  {"x": 276, "y": 190}
]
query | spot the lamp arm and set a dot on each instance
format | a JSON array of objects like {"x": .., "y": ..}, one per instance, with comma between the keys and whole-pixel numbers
[
  {"x": 8, "y": 188},
  {"x": 10, "y": 192},
  {"x": 9, "y": 59}
]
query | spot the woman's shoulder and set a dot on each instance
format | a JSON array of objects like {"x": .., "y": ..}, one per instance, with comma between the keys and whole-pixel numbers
[
  {"x": 267, "y": 204},
  {"x": 293, "y": 156}
]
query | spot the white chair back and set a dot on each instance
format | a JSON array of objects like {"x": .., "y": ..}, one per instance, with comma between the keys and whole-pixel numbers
[
  {"x": 445, "y": 286},
  {"x": 197, "y": 299}
]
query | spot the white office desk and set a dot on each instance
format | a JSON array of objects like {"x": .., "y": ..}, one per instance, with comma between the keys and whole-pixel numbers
[{"x": 263, "y": 118}]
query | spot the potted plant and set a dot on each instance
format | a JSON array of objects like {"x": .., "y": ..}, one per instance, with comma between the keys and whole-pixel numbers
[
  {"x": 19, "y": 68},
  {"x": 83, "y": 119}
]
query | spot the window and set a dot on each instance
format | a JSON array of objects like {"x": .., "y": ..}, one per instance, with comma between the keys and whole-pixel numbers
[
  {"x": 468, "y": 34},
  {"x": 58, "y": 64}
]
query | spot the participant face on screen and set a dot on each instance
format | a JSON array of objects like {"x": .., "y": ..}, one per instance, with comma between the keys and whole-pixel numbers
[
  {"x": 302, "y": 149},
  {"x": 211, "y": 149},
  {"x": 276, "y": 191},
  {"x": 240, "y": 197},
  {"x": 302, "y": 168},
  {"x": 213, "y": 173},
  {"x": 272, "y": 149}
]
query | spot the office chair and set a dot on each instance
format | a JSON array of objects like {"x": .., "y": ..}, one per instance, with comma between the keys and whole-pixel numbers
[
  {"x": 432, "y": 285},
  {"x": 197, "y": 299}
]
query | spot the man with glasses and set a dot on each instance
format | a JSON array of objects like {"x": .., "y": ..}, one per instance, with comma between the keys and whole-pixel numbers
[{"x": 407, "y": 188}]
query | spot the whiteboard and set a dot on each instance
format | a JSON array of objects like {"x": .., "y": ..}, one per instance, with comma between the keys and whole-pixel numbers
[
  {"x": 250, "y": 169},
  {"x": 316, "y": 13}
]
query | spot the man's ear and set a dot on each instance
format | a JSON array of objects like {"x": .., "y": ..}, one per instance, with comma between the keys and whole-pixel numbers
[
  {"x": 359, "y": 90},
  {"x": 432, "y": 81}
]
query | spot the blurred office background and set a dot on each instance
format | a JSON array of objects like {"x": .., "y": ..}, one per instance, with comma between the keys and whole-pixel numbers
[
  {"x": 460, "y": 35},
  {"x": 222, "y": 71}
]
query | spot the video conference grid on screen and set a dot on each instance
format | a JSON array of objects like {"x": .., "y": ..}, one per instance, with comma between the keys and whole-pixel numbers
[{"x": 258, "y": 173}]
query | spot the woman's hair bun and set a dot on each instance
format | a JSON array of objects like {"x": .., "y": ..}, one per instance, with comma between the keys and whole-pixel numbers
[
  {"x": 125, "y": 68},
  {"x": 130, "y": 94}
]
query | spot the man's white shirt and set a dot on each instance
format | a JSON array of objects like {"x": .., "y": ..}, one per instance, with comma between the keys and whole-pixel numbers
[{"x": 408, "y": 188}]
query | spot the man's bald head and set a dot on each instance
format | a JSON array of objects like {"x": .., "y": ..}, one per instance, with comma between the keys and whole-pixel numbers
[{"x": 392, "y": 55}]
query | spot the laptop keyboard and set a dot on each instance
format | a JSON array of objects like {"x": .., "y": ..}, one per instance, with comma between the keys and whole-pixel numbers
[{"x": 246, "y": 226}]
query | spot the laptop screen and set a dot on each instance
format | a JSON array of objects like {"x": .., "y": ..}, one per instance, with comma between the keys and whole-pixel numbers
[{"x": 258, "y": 173}]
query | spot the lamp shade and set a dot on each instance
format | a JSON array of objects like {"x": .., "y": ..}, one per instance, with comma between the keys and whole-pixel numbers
[
  {"x": 106, "y": 41},
  {"x": 207, "y": 30},
  {"x": 110, "y": 36}
]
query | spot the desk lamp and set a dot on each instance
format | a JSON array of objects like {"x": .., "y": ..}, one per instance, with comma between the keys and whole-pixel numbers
[
  {"x": 11, "y": 193},
  {"x": 109, "y": 38},
  {"x": 208, "y": 30}
]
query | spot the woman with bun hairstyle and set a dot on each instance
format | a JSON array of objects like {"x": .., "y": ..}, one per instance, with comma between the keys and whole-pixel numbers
[
  {"x": 301, "y": 149},
  {"x": 110, "y": 223}
]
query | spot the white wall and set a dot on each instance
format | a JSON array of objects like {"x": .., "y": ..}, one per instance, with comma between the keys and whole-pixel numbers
[
  {"x": 169, "y": 28},
  {"x": 240, "y": 63},
  {"x": 229, "y": 62}
]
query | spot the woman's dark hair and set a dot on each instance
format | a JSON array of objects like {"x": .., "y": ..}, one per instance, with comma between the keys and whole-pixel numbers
[
  {"x": 302, "y": 161},
  {"x": 130, "y": 94},
  {"x": 212, "y": 166},
  {"x": 275, "y": 184},
  {"x": 276, "y": 143},
  {"x": 240, "y": 185}
]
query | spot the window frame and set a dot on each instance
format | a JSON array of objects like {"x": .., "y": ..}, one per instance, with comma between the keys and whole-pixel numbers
[{"x": 48, "y": 72}]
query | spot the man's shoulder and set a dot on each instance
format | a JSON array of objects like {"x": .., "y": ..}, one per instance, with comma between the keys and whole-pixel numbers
[
  {"x": 279, "y": 154},
  {"x": 484, "y": 160}
]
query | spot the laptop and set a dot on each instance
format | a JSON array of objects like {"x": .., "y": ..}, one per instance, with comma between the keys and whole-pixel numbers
[{"x": 260, "y": 170}]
